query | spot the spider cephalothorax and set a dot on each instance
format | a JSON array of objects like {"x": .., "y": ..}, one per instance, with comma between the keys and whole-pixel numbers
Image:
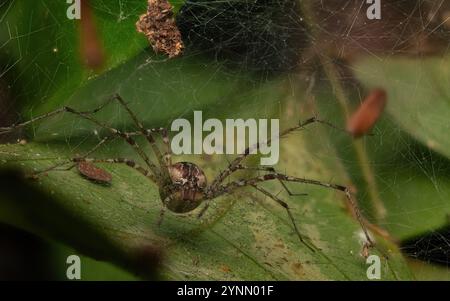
[{"x": 187, "y": 190}]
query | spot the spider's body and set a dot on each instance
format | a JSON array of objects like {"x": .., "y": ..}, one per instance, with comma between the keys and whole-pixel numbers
[
  {"x": 183, "y": 186},
  {"x": 187, "y": 190}
]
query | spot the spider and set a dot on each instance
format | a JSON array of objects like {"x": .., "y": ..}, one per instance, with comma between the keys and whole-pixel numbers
[{"x": 183, "y": 186}]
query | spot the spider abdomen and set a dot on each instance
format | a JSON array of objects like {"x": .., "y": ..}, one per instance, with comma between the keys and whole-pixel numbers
[{"x": 187, "y": 189}]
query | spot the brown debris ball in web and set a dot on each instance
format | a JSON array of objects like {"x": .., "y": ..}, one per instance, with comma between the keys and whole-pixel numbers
[{"x": 158, "y": 24}]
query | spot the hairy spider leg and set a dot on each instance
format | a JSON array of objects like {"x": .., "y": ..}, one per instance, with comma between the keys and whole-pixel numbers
[
  {"x": 148, "y": 136},
  {"x": 59, "y": 164},
  {"x": 162, "y": 212},
  {"x": 288, "y": 210},
  {"x": 129, "y": 162},
  {"x": 272, "y": 170},
  {"x": 236, "y": 163},
  {"x": 232, "y": 186},
  {"x": 4, "y": 130},
  {"x": 165, "y": 138},
  {"x": 233, "y": 166},
  {"x": 259, "y": 168}
]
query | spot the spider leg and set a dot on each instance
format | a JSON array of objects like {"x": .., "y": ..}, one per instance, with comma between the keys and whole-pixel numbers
[
  {"x": 54, "y": 168},
  {"x": 232, "y": 167},
  {"x": 270, "y": 169},
  {"x": 148, "y": 135},
  {"x": 232, "y": 186},
  {"x": 260, "y": 168},
  {"x": 165, "y": 138},
  {"x": 162, "y": 213},
  {"x": 87, "y": 116},
  {"x": 127, "y": 162},
  {"x": 288, "y": 210},
  {"x": 4, "y": 130},
  {"x": 205, "y": 207},
  {"x": 161, "y": 216},
  {"x": 62, "y": 163}
]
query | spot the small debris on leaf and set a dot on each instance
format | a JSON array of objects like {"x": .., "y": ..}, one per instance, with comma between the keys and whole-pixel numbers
[
  {"x": 94, "y": 173},
  {"x": 158, "y": 24}
]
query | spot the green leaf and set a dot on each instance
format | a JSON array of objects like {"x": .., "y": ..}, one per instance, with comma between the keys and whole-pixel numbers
[
  {"x": 243, "y": 236},
  {"x": 239, "y": 239},
  {"x": 159, "y": 90}
]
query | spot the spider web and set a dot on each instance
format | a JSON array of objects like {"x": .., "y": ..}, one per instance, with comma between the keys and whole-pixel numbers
[{"x": 270, "y": 39}]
